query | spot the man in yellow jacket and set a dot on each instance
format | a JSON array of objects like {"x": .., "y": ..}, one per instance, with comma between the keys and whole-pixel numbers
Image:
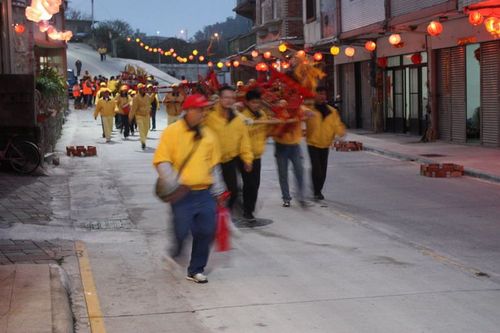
[
  {"x": 152, "y": 92},
  {"x": 141, "y": 110},
  {"x": 323, "y": 126},
  {"x": 173, "y": 101},
  {"x": 188, "y": 156},
  {"x": 233, "y": 137},
  {"x": 106, "y": 108},
  {"x": 287, "y": 148},
  {"x": 258, "y": 128}
]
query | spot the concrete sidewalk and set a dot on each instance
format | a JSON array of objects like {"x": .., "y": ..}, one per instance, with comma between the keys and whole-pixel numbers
[{"x": 478, "y": 161}]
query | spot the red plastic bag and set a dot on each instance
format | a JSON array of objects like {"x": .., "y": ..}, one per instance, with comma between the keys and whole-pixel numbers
[{"x": 222, "y": 233}]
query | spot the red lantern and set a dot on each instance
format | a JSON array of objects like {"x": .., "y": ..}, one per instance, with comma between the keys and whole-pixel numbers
[
  {"x": 416, "y": 59},
  {"x": 191, "y": 57},
  {"x": 435, "y": 28},
  {"x": 301, "y": 53},
  {"x": 255, "y": 54},
  {"x": 350, "y": 51},
  {"x": 210, "y": 64},
  {"x": 476, "y": 18},
  {"x": 267, "y": 55},
  {"x": 236, "y": 63},
  {"x": 318, "y": 56},
  {"x": 19, "y": 28},
  {"x": 285, "y": 65},
  {"x": 228, "y": 63},
  {"x": 262, "y": 67},
  {"x": 370, "y": 46},
  {"x": 395, "y": 39},
  {"x": 201, "y": 58},
  {"x": 490, "y": 23},
  {"x": 382, "y": 62},
  {"x": 275, "y": 65}
]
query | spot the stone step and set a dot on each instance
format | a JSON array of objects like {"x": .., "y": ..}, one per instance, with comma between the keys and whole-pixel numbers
[{"x": 25, "y": 298}]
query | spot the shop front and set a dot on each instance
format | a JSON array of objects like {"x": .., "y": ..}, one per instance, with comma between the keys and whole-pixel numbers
[{"x": 406, "y": 94}]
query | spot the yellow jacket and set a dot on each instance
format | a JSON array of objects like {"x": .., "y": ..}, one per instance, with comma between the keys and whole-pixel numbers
[
  {"x": 232, "y": 135},
  {"x": 173, "y": 103},
  {"x": 121, "y": 102},
  {"x": 258, "y": 132},
  {"x": 112, "y": 85},
  {"x": 141, "y": 106},
  {"x": 176, "y": 143},
  {"x": 292, "y": 134},
  {"x": 321, "y": 132},
  {"x": 154, "y": 97},
  {"x": 105, "y": 107}
]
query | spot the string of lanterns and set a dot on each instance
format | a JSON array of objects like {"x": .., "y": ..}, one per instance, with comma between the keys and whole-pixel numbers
[
  {"x": 169, "y": 53},
  {"x": 434, "y": 29}
]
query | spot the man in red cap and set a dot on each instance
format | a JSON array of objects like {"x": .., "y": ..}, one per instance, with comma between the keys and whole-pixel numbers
[{"x": 187, "y": 159}]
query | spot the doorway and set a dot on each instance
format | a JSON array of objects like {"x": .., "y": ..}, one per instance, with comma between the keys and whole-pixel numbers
[{"x": 406, "y": 96}]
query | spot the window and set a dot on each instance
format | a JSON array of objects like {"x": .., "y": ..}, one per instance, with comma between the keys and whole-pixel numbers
[
  {"x": 310, "y": 10},
  {"x": 275, "y": 9}
]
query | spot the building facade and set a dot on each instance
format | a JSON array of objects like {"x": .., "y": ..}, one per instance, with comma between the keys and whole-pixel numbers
[
  {"x": 448, "y": 83},
  {"x": 24, "y": 52}
]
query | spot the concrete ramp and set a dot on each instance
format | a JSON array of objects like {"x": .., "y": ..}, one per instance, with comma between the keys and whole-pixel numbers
[{"x": 111, "y": 66}]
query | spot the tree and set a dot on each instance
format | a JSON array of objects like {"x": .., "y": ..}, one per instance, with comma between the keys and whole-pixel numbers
[{"x": 73, "y": 14}]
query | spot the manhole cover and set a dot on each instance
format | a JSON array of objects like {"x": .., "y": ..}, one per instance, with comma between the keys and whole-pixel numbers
[
  {"x": 432, "y": 155},
  {"x": 243, "y": 224}
]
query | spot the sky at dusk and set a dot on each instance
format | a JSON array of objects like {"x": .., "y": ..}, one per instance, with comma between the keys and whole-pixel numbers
[{"x": 170, "y": 17}]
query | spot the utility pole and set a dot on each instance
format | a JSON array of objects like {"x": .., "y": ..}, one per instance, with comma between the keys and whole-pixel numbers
[{"x": 92, "y": 3}]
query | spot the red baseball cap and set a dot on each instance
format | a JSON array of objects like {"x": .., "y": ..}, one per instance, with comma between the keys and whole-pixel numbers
[{"x": 195, "y": 101}]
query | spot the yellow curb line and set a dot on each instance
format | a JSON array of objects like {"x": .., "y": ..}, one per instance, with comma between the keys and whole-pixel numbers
[{"x": 89, "y": 290}]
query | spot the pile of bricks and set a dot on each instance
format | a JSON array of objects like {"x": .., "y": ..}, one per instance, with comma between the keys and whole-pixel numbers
[
  {"x": 348, "y": 146},
  {"x": 444, "y": 170},
  {"x": 81, "y": 151}
]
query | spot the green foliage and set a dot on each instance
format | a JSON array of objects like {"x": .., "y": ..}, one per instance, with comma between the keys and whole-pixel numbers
[{"x": 50, "y": 84}]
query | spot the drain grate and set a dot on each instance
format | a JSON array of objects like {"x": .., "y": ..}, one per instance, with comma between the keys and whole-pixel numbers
[{"x": 432, "y": 155}]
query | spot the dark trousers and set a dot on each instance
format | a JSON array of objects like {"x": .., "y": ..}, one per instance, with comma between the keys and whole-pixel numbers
[
  {"x": 319, "y": 165},
  {"x": 292, "y": 153},
  {"x": 125, "y": 125},
  {"x": 229, "y": 173},
  {"x": 196, "y": 213},
  {"x": 153, "y": 118},
  {"x": 251, "y": 184}
]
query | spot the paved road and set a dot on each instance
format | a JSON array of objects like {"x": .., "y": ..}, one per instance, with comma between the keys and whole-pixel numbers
[
  {"x": 457, "y": 217},
  {"x": 342, "y": 268}
]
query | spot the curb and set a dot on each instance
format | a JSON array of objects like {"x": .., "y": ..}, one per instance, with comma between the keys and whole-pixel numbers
[
  {"x": 62, "y": 316},
  {"x": 412, "y": 158}
]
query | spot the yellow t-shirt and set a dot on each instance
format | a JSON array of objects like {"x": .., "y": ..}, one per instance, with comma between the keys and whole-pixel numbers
[
  {"x": 232, "y": 135},
  {"x": 176, "y": 143}
]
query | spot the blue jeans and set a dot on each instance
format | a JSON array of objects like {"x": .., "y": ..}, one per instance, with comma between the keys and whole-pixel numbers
[
  {"x": 283, "y": 153},
  {"x": 196, "y": 213}
]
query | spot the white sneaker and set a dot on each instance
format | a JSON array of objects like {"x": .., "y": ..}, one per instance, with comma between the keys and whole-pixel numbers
[{"x": 198, "y": 278}]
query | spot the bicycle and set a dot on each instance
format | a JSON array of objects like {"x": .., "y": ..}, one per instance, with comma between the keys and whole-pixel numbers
[{"x": 23, "y": 156}]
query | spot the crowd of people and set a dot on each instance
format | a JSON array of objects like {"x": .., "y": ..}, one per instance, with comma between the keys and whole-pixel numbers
[
  {"x": 226, "y": 136},
  {"x": 212, "y": 139}
]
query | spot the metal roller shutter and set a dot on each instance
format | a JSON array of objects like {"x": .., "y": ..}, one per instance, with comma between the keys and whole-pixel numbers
[
  {"x": 490, "y": 93},
  {"x": 458, "y": 95},
  {"x": 444, "y": 94}
]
